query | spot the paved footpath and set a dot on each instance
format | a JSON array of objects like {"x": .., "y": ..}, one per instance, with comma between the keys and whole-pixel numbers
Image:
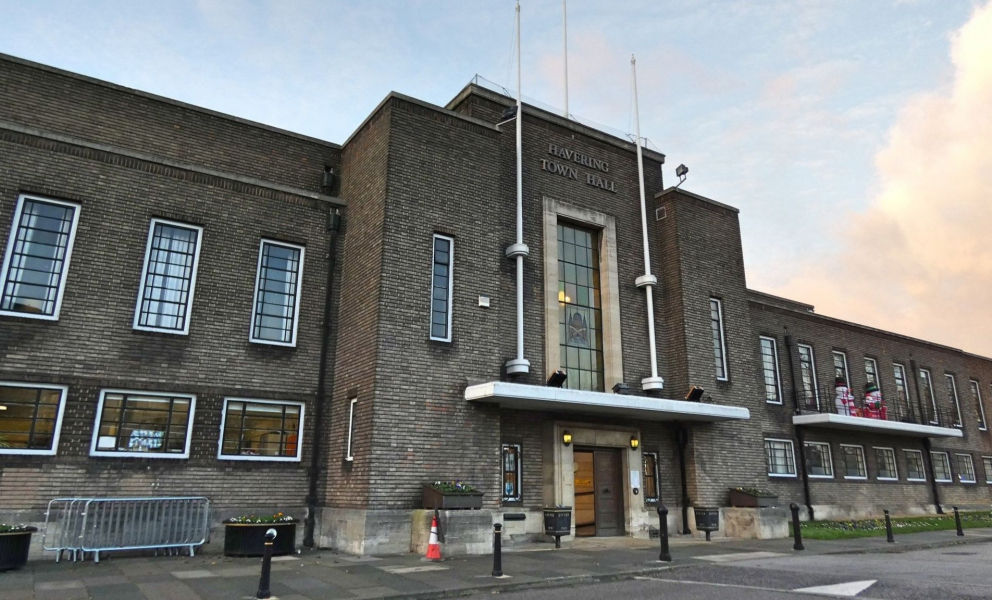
[{"x": 324, "y": 575}]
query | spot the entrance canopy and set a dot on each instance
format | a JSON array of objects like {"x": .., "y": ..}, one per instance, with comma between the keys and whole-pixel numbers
[{"x": 537, "y": 397}]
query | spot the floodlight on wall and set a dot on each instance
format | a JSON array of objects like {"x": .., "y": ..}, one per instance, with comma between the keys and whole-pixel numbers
[
  {"x": 634, "y": 442},
  {"x": 681, "y": 172},
  {"x": 557, "y": 379},
  {"x": 695, "y": 394},
  {"x": 566, "y": 437},
  {"x": 621, "y": 388},
  {"x": 327, "y": 182},
  {"x": 509, "y": 113}
]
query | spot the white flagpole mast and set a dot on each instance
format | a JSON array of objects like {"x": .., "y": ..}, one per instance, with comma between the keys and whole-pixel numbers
[
  {"x": 647, "y": 281},
  {"x": 564, "y": 16},
  {"x": 519, "y": 250}
]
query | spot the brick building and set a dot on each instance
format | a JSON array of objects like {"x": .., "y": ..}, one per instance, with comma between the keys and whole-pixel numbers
[{"x": 195, "y": 304}]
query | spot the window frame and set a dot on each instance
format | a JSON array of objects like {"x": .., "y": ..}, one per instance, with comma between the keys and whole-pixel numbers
[
  {"x": 935, "y": 420},
  {"x": 987, "y": 467},
  {"x": 950, "y": 473},
  {"x": 349, "y": 451},
  {"x": 895, "y": 464},
  {"x": 953, "y": 390},
  {"x": 792, "y": 452},
  {"x": 57, "y": 429},
  {"x": 901, "y": 368},
  {"x": 451, "y": 287},
  {"x": 976, "y": 389},
  {"x": 778, "y": 376},
  {"x": 864, "y": 462},
  {"x": 723, "y": 337},
  {"x": 299, "y": 291},
  {"x": 502, "y": 469},
  {"x": 974, "y": 473},
  {"x": 657, "y": 482},
  {"x": 875, "y": 372},
  {"x": 192, "y": 280},
  {"x": 149, "y": 455},
  {"x": 299, "y": 431},
  {"x": 847, "y": 367},
  {"x": 830, "y": 460},
  {"x": 812, "y": 369},
  {"x": 9, "y": 250},
  {"x": 923, "y": 465}
]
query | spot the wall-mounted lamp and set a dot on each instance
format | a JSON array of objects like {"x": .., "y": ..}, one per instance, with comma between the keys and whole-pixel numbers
[
  {"x": 621, "y": 388},
  {"x": 557, "y": 379},
  {"x": 694, "y": 394},
  {"x": 634, "y": 442},
  {"x": 566, "y": 437}
]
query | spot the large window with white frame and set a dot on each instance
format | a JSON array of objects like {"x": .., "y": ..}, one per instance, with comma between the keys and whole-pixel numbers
[
  {"x": 966, "y": 468},
  {"x": 442, "y": 283},
  {"x": 885, "y": 459},
  {"x": 769, "y": 366},
  {"x": 926, "y": 389},
  {"x": 168, "y": 278},
  {"x": 854, "y": 462},
  {"x": 915, "y": 467},
  {"x": 278, "y": 281},
  {"x": 719, "y": 339},
  {"x": 510, "y": 454},
  {"x": 31, "y": 417},
  {"x": 952, "y": 399},
  {"x": 871, "y": 372},
  {"x": 819, "y": 462},
  {"x": 941, "y": 467},
  {"x": 902, "y": 387},
  {"x": 781, "y": 458},
  {"x": 349, "y": 449},
  {"x": 840, "y": 367},
  {"x": 261, "y": 430},
  {"x": 987, "y": 467},
  {"x": 36, "y": 261},
  {"x": 143, "y": 424},
  {"x": 807, "y": 375},
  {"x": 976, "y": 396}
]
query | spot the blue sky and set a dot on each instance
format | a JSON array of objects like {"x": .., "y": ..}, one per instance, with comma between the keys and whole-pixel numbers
[{"x": 781, "y": 108}]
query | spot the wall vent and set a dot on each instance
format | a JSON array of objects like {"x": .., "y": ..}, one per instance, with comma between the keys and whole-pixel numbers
[{"x": 660, "y": 213}]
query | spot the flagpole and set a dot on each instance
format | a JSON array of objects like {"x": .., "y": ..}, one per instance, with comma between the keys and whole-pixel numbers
[
  {"x": 519, "y": 250},
  {"x": 564, "y": 18}
]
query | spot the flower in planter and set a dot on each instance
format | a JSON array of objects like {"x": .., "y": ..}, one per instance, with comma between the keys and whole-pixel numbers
[
  {"x": 20, "y": 528},
  {"x": 279, "y": 517},
  {"x": 753, "y": 491},
  {"x": 452, "y": 487}
]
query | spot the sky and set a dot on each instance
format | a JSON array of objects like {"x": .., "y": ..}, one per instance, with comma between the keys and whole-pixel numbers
[{"x": 855, "y": 136}]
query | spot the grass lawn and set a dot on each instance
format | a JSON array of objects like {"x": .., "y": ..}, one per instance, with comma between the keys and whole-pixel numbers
[{"x": 840, "y": 530}]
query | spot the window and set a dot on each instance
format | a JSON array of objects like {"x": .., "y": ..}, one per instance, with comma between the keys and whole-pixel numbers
[
  {"x": 871, "y": 372},
  {"x": 926, "y": 388},
  {"x": 278, "y": 280},
  {"x": 987, "y": 466},
  {"x": 840, "y": 367},
  {"x": 976, "y": 395},
  {"x": 651, "y": 490},
  {"x": 30, "y": 417},
  {"x": 952, "y": 398},
  {"x": 902, "y": 390},
  {"x": 915, "y": 470},
  {"x": 807, "y": 371},
  {"x": 261, "y": 430},
  {"x": 580, "y": 321},
  {"x": 886, "y": 460},
  {"x": 769, "y": 365},
  {"x": 819, "y": 462},
  {"x": 349, "y": 455},
  {"x": 781, "y": 460},
  {"x": 168, "y": 277},
  {"x": 37, "y": 257},
  {"x": 719, "y": 344},
  {"x": 149, "y": 424},
  {"x": 442, "y": 283},
  {"x": 511, "y": 472},
  {"x": 966, "y": 468},
  {"x": 941, "y": 467},
  {"x": 854, "y": 462}
]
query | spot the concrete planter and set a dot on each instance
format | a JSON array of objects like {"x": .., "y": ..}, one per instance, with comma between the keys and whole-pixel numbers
[
  {"x": 741, "y": 499},
  {"x": 433, "y": 498},
  {"x": 248, "y": 539},
  {"x": 14, "y": 548}
]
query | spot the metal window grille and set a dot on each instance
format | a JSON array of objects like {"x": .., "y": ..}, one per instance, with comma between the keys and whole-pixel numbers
[
  {"x": 580, "y": 322},
  {"x": 511, "y": 472},
  {"x": 854, "y": 462},
  {"x": 442, "y": 288},
  {"x": 143, "y": 424},
  {"x": 277, "y": 293},
  {"x": 818, "y": 460},
  {"x": 914, "y": 465},
  {"x": 886, "y": 459},
  {"x": 769, "y": 365},
  {"x": 169, "y": 275},
  {"x": 650, "y": 463},
  {"x": 781, "y": 460},
  {"x": 966, "y": 468},
  {"x": 261, "y": 429},
  {"x": 30, "y": 418},
  {"x": 941, "y": 466},
  {"x": 719, "y": 346}
]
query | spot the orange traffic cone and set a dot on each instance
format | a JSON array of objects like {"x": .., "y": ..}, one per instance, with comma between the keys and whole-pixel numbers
[{"x": 433, "y": 547}]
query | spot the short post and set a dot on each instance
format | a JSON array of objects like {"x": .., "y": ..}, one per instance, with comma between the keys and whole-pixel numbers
[
  {"x": 497, "y": 550},
  {"x": 957, "y": 521},
  {"x": 888, "y": 528},
  {"x": 797, "y": 533},
  {"x": 665, "y": 555},
  {"x": 263, "y": 581}
]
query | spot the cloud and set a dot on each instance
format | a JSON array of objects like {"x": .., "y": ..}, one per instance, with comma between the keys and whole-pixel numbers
[{"x": 918, "y": 259}]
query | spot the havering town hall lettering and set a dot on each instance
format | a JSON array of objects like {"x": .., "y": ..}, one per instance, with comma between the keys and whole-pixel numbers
[{"x": 571, "y": 172}]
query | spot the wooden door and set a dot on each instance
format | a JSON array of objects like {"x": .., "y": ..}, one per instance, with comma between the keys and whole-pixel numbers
[
  {"x": 609, "y": 492},
  {"x": 584, "y": 512}
]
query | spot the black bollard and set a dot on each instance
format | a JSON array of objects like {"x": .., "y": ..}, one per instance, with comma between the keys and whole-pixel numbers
[
  {"x": 957, "y": 521},
  {"x": 263, "y": 581},
  {"x": 888, "y": 528},
  {"x": 795, "y": 527},
  {"x": 665, "y": 555},
  {"x": 497, "y": 550}
]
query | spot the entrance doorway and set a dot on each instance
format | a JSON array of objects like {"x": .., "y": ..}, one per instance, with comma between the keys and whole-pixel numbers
[{"x": 598, "y": 492}]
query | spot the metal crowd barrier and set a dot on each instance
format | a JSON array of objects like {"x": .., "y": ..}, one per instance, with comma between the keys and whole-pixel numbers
[{"x": 81, "y": 525}]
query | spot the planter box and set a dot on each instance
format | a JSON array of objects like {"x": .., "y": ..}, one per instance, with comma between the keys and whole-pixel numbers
[
  {"x": 446, "y": 501},
  {"x": 744, "y": 500},
  {"x": 14, "y": 549},
  {"x": 248, "y": 539}
]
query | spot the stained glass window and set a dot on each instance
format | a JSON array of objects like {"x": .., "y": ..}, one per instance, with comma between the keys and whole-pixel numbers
[
  {"x": 511, "y": 472},
  {"x": 580, "y": 320}
]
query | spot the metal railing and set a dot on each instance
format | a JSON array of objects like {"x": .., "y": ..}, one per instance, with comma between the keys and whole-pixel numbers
[
  {"x": 81, "y": 525},
  {"x": 827, "y": 399}
]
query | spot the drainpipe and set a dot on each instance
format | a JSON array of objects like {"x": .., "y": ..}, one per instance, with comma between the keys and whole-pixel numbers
[
  {"x": 682, "y": 437},
  {"x": 926, "y": 441},
  {"x": 646, "y": 281},
  {"x": 800, "y": 433},
  {"x": 792, "y": 374},
  {"x": 334, "y": 225},
  {"x": 519, "y": 365}
]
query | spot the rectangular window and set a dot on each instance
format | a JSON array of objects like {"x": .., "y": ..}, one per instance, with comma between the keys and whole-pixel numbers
[
  {"x": 781, "y": 458},
  {"x": 143, "y": 424},
  {"x": 349, "y": 455},
  {"x": 807, "y": 371},
  {"x": 168, "y": 277},
  {"x": 819, "y": 462},
  {"x": 719, "y": 342},
  {"x": 511, "y": 472},
  {"x": 580, "y": 322},
  {"x": 441, "y": 287},
  {"x": 966, "y": 468},
  {"x": 854, "y": 462},
  {"x": 976, "y": 395},
  {"x": 871, "y": 372},
  {"x": 926, "y": 388},
  {"x": 261, "y": 430},
  {"x": 30, "y": 417},
  {"x": 902, "y": 389},
  {"x": 886, "y": 460},
  {"x": 987, "y": 466},
  {"x": 37, "y": 258},
  {"x": 769, "y": 365},
  {"x": 651, "y": 490},
  {"x": 941, "y": 467},
  {"x": 278, "y": 281},
  {"x": 952, "y": 399},
  {"x": 915, "y": 470},
  {"x": 840, "y": 367}
]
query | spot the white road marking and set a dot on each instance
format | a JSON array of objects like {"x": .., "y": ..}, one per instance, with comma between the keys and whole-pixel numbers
[
  {"x": 400, "y": 569},
  {"x": 719, "y": 558},
  {"x": 847, "y": 590}
]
